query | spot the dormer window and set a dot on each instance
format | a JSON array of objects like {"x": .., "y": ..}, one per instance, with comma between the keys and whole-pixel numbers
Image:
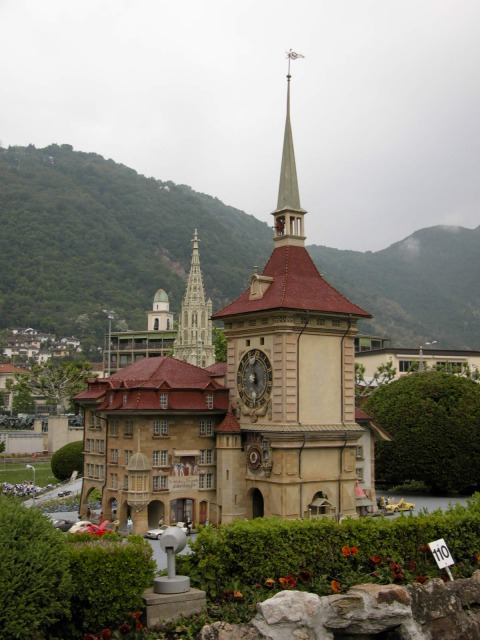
[
  {"x": 124, "y": 398},
  {"x": 209, "y": 400},
  {"x": 164, "y": 401},
  {"x": 110, "y": 399}
]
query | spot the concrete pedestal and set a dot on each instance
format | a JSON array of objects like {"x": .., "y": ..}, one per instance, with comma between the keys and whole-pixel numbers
[{"x": 165, "y": 606}]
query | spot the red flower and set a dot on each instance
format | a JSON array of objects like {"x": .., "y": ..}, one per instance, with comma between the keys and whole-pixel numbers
[
  {"x": 421, "y": 579},
  {"x": 353, "y": 551},
  {"x": 335, "y": 585},
  {"x": 305, "y": 576},
  {"x": 106, "y": 634},
  {"x": 375, "y": 559},
  {"x": 124, "y": 629},
  {"x": 346, "y": 550},
  {"x": 424, "y": 548}
]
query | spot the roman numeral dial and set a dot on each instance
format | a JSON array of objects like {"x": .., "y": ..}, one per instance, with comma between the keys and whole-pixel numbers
[{"x": 254, "y": 379}]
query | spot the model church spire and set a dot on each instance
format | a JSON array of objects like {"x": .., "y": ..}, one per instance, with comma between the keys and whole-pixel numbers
[
  {"x": 194, "y": 338},
  {"x": 288, "y": 226}
]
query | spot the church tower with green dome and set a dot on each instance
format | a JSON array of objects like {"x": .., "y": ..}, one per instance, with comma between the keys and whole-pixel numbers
[{"x": 160, "y": 318}]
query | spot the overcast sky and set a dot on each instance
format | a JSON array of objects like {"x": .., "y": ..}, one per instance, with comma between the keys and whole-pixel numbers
[{"x": 385, "y": 106}]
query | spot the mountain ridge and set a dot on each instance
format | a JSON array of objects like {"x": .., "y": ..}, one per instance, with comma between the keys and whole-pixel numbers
[{"x": 81, "y": 234}]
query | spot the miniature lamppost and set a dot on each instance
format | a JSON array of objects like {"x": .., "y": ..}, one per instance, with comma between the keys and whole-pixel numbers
[{"x": 29, "y": 466}]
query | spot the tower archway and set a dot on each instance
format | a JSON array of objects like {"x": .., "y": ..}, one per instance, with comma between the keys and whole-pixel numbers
[{"x": 257, "y": 504}]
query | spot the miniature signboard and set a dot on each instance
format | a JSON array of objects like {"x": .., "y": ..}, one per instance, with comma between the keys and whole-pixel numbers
[{"x": 442, "y": 555}]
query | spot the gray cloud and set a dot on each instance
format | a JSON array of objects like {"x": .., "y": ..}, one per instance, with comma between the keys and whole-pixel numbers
[{"x": 384, "y": 106}]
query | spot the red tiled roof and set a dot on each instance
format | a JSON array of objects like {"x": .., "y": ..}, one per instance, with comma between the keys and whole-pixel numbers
[
  {"x": 217, "y": 369},
  {"x": 178, "y": 400},
  {"x": 361, "y": 415},
  {"x": 163, "y": 372},
  {"x": 10, "y": 368},
  {"x": 140, "y": 384},
  {"x": 229, "y": 424},
  {"x": 297, "y": 284}
]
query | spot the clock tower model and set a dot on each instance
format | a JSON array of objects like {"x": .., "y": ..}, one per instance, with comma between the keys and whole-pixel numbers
[{"x": 290, "y": 369}]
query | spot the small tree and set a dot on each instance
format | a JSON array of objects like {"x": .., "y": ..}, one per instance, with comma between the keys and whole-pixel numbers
[
  {"x": 55, "y": 380},
  {"x": 220, "y": 344},
  {"x": 22, "y": 401},
  {"x": 67, "y": 460},
  {"x": 364, "y": 387},
  {"x": 434, "y": 419},
  {"x": 35, "y": 584}
]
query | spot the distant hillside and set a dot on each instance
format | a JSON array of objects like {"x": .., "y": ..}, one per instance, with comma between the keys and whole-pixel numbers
[
  {"x": 81, "y": 234},
  {"x": 423, "y": 288}
]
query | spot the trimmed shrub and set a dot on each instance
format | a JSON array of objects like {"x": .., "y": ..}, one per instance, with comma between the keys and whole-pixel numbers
[
  {"x": 35, "y": 583},
  {"x": 109, "y": 577},
  {"x": 274, "y": 553},
  {"x": 67, "y": 460}
]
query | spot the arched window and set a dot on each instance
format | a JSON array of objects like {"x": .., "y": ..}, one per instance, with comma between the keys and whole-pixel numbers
[{"x": 155, "y": 324}]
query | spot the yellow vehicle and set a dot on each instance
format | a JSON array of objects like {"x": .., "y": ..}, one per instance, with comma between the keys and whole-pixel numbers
[{"x": 401, "y": 505}]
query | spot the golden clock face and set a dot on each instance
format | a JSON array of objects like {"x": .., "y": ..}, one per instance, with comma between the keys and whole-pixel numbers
[{"x": 254, "y": 379}]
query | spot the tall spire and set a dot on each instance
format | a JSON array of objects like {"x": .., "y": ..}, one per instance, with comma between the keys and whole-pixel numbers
[
  {"x": 289, "y": 224},
  {"x": 288, "y": 194},
  {"x": 193, "y": 343}
]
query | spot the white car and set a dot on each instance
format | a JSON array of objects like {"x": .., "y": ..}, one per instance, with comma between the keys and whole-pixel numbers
[
  {"x": 78, "y": 527},
  {"x": 156, "y": 534}
]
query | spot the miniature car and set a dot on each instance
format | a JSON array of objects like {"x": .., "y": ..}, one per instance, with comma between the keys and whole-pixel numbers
[
  {"x": 401, "y": 505},
  {"x": 156, "y": 534}
]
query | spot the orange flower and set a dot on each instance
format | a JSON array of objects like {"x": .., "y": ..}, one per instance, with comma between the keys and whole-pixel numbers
[
  {"x": 335, "y": 585},
  {"x": 375, "y": 559},
  {"x": 269, "y": 583},
  {"x": 288, "y": 582},
  {"x": 238, "y": 595},
  {"x": 353, "y": 551},
  {"x": 346, "y": 550}
]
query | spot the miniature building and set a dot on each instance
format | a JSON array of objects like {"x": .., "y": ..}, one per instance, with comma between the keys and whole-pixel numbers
[
  {"x": 271, "y": 433},
  {"x": 127, "y": 347}
]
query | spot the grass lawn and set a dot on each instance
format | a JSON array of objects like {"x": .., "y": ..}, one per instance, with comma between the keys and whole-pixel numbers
[{"x": 16, "y": 473}]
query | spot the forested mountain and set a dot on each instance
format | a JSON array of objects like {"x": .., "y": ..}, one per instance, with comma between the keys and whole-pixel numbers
[{"x": 80, "y": 234}]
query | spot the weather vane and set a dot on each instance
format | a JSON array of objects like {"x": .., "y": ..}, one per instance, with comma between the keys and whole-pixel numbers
[{"x": 291, "y": 55}]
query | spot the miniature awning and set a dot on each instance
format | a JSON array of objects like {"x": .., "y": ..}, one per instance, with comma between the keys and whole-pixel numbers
[
  {"x": 185, "y": 453},
  {"x": 364, "y": 502},
  {"x": 320, "y": 502}
]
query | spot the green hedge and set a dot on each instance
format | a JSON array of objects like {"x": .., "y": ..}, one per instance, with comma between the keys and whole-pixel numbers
[
  {"x": 56, "y": 586},
  {"x": 109, "y": 577},
  {"x": 245, "y": 554},
  {"x": 35, "y": 582}
]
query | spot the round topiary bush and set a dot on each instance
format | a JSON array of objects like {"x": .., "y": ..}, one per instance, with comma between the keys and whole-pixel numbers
[
  {"x": 67, "y": 460},
  {"x": 35, "y": 585}
]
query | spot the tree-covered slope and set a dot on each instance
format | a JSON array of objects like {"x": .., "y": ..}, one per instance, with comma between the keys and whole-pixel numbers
[{"x": 81, "y": 234}]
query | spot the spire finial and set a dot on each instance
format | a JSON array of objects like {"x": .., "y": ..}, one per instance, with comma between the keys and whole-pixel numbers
[{"x": 291, "y": 55}]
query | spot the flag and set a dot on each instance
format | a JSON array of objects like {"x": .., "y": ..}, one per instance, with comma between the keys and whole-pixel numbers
[{"x": 291, "y": 55}]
